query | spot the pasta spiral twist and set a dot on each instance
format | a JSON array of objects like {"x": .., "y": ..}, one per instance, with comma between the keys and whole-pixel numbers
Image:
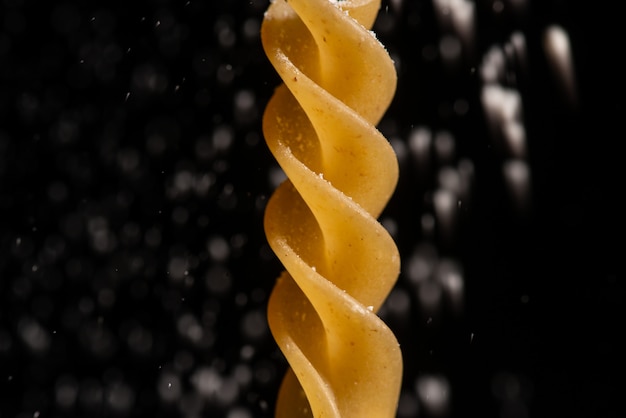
[{"x": 321, "y": 222}]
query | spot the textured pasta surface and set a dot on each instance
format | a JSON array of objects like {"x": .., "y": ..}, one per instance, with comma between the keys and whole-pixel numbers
[{"x": 321, "y": 222}]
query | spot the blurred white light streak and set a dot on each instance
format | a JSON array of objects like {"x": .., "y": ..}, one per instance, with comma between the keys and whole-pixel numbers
[
  {"x": 502, "y": 106},
  {"x": 421, "y": 264},
  {"x": 449, "y": 179},
  {"x": 420, "y": 140},
  {"x": 493, "y": 65},
  {"x": 515, "y": 136},
  {"x": 445, "y": 204},
  {"x": 518, "y": 42},
  {"x": 463, "y": 20},
  {"x": 396, "y": 5},
  {"x": 444, "y": 147},
  {"x": 557, "y": 46},
  {"x": 169, "y": 387},
  {"x": 451, "y": 278},
  {"x": 434, "y": 392},
  {"x": 517, "y": 177},
  {"x": 34, "y": 335},
  {"x": 442, "y": 9},
  {"x": 429, "y": 295},
  {"x": 457, "y": 21},
  {"x": 450, "y": 50}
]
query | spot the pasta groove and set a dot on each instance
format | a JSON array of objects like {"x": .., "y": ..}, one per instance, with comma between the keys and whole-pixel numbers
[{"x": 321, "y": 222}]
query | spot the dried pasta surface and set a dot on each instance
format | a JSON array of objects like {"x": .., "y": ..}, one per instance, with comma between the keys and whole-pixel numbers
[{"x": 321, "y": 222}]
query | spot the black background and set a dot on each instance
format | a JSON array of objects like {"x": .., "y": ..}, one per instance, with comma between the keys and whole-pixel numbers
[{"x": 124, "y": 154}]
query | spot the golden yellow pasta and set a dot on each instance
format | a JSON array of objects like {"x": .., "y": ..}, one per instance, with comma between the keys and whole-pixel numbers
[{"x": 321, "y": 222}]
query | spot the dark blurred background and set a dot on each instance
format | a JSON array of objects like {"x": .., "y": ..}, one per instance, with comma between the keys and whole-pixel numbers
[{"x": 134, "y": 272}]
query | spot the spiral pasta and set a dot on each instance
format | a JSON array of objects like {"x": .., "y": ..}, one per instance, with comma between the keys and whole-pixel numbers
[{"x": 321, "y": 222}]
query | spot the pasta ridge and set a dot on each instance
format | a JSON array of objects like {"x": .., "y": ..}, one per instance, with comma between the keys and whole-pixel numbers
[{"x": 321, "y": 222}]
